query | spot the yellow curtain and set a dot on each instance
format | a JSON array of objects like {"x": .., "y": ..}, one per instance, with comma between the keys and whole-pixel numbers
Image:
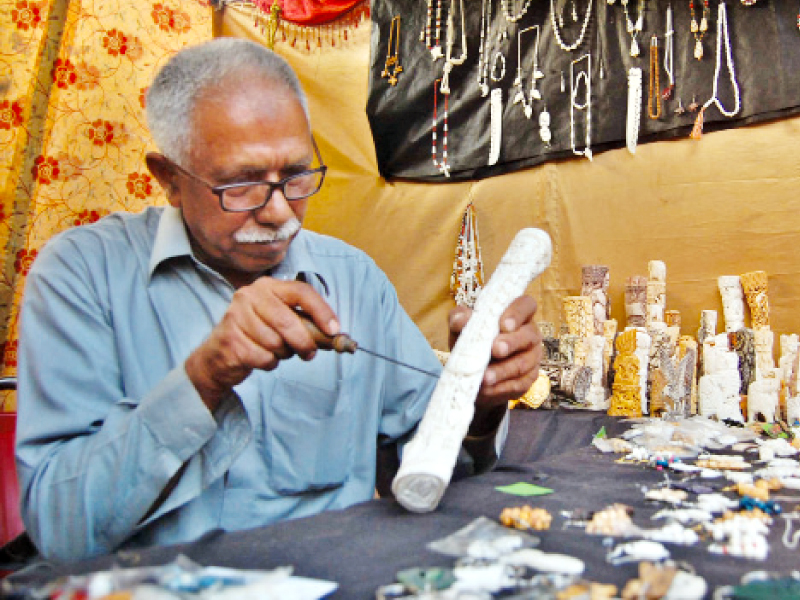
[{"x": 73, "y": 74}]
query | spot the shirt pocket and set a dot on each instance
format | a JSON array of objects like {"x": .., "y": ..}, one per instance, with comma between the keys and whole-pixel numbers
[{"x": 309, "y": 437}]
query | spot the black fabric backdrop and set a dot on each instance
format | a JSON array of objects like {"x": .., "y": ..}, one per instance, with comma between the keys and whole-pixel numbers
[{"x": 766, "y": 53}]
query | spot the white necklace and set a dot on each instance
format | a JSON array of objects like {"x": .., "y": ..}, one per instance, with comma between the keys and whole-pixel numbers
[
  {"x": 722, "y": 29},
  {"x": 449, "y": 61},
  {"x": 586, "y": 105},
  {"x": 634, "y": 108},
  {"x": 436, "y": 51},
  {"x": 557, "y": 32},
  {"x": 668, "y": 55},
  {"x": 634, "y": 29},
  {"x": 483, "y": 53},
  {"x": 443, "y": 165},
  {"x": 536, "y": 74},
  {"x": 514, "y": 18},
  {"x": 496, "y": 130}
]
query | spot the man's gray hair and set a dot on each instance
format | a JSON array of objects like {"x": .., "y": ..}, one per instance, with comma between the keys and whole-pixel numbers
[{"x": 178, "y": 85}]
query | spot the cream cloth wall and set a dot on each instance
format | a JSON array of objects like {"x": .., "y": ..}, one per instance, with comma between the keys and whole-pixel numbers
[{"x": 724, "y": 205}]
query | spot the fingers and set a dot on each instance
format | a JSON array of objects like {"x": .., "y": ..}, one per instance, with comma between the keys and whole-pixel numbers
[{"x": 456, "y": 321}]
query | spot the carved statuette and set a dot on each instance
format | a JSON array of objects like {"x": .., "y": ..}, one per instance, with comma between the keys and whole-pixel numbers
[
  {"x": 595, "y": 286},
  {"x": 656, "y": 291},
  {"x": 429, "y": 458},
  {"x": 730, "y": 288},
  {"x": 626, "y": 397},
  {"x": 578, "y": 315},
  {"x": 636, "y": 300},
  {"x": 754, "y": 285}
]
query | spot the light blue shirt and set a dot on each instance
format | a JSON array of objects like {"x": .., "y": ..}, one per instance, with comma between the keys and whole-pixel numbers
[{"x": 107, "y": 415}]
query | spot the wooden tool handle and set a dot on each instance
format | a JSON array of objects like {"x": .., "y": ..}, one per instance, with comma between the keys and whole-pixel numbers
[{"x": 341, "y": 342}]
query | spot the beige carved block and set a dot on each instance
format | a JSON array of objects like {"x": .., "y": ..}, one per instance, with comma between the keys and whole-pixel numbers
[
  {"x": 754, "y": 285},
  {"x": 764, "y": 341},
  {"x": 636, "y": 301},
  {"x": 594, "y": 285},
  {"x": 686, "y": 345},
  {"x": 656, "y": 291},
  {"x": 730, "y": 289},
  {"x": 578, "y": 315},
  {"x": 610, "y": 334}
]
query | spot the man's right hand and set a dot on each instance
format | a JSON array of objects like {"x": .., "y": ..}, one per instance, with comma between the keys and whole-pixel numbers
[{"x": 259, "y": 329}]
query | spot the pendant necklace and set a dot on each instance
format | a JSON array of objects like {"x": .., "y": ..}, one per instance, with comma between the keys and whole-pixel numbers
[
  {"x": 483, "y": 52},
  {"x": 513, "y": 18},
  {"x": 443, "y": 165},
  {"x": 557, "y": 32},
  {"x": 496, "y": 127},
  {"x": 466, "y": 281},
  {"x": 653, "y": 92},
  {"x": 436, "y": 51},
  {"x": 393, "y": 53},
  {"x": 699, "y": 30},
  {"x": 634, "y": 29},
  {"x": 586, "y": 105},
  {"x": 634, "y": 108},
  {"x": 536, "y": 75},
  {"x": 722, "y": 34},
  {"x": 544, "y": 127},
  {"x": 668, "y": 56},
  {"x": 449, "y": 61}
]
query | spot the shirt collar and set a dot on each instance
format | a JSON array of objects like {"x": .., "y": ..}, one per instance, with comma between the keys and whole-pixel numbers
[{"x": 172, "y": 241}]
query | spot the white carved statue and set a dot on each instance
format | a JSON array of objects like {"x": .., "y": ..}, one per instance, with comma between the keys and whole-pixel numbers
[
  {"x": 429, "y": 458},
  {"x": 596, "y": 397},
  {"x": 730, "y": 288},
  {"x": 642, "y": 352},
  {"x": 718, "y": 389},
  {"x": 763, "y": 397}
]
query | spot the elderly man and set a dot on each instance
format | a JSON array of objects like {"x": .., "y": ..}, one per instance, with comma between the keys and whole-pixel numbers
[{"x": 167, "y": 385}]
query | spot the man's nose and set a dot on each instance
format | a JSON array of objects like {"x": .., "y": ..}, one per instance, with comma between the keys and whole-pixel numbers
[{"x": 277, "y": 210}]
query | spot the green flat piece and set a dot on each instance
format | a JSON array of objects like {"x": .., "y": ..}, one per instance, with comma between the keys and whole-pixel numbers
[{"x": 524, "y": 489}]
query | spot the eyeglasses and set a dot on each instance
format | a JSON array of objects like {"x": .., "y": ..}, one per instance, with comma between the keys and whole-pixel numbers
[{"x": 252, "y": 195}]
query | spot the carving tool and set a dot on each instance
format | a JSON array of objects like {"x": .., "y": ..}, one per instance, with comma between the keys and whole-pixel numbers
[{"x": 343, "y": 343}]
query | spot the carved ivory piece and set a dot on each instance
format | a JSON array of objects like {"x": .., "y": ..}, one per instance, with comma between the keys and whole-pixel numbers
[
  {"x": 730, "y": 288},
  {"x": 429, "y": 458},
  {"x": 594, "y": 285},
  {"x": 578, "y": 315},
  {"x": 754, "y": 285},
  {"x": 763, "y": 397},
  {"x": 626, "y": 397},
  {"x": 636, "y": 300},
  {"x": 656, "y": 291}
]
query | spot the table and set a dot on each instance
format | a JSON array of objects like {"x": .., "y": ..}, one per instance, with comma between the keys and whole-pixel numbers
[{"x": 365, "y": 545}]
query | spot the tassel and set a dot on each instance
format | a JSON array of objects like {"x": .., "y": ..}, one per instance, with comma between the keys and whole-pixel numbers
[{"x": 697, "y": 130}]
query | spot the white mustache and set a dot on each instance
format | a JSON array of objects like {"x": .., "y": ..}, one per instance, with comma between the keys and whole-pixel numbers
[{"x": 262, "y": 235}]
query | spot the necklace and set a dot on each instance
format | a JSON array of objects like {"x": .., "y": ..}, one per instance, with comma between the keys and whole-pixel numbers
[
  {"x": 483, "y": 53},
  {"x": 466, "y": 281},
  {"x": 535, "y": 94},
  {"x": 586, "y": 105},
  {"x": 722, "y": 33},
  {"x": 634, "y": 29},
  {"x": 436, "y": 51},
  {"x": 653, "y": 93},
  {"x": 449, "y": 61},
  {"x": 393, "y": 53},
  {"x": 502, "y": 62},
  {"x": 668, "y": 56},
  {"x": 557, "y": 32},
  {"x": 699, "y": 31},
  {"x": 496, "y": 130},
  {"x": 514, "y": 18},
  {"x": 443, "y": 165},
  {"x": 544, "y": 127},
  {"x": 634, "y": 108}
]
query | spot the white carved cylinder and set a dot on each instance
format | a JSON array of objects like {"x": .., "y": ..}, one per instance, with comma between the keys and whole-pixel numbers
[
  {"x": 429, "y": 458},
  {"x": 730, "y": 288}
]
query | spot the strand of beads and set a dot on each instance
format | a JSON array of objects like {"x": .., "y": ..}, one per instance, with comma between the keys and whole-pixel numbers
[
  {"x": 586, "y": 105},
  {"x": 483, "y": 53},
  {"x": 513, "y": 18},
  {"x": 557, "y": 32},
  {"x": 443, "y": 165},
  {"x": 669, "y": 36},
  {"x": 496, "y": 127},
  {"x": 449, "y": 61},
  {"x": 653, "y": 93},
  {"x": 536, "y": 74},
  {"x": 699, "y": 30},
  {"x": 634, "y": 29},
  {"x": 634, "y": 108}
]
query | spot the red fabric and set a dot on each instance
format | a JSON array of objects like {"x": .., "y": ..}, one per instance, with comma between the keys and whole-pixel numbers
[
  {"x": 310, "y": 12},
  {"x": 10, "y": 522}
]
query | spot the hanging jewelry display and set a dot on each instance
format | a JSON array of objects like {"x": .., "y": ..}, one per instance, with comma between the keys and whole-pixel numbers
[
  {"x": 436, "y": 51},
  {"x": 497, "y": 76},
  {"x": 443, "y": 165},
  {"x": 556, "y": 28},
  {"x": 653, "y": 92},
  {"x": 466, "y": 281},
  {"x": 634, "y": 108},
  {"x": 634, "y": 28},
  {"x": 449, "y": 61},
  {"x": 668, "y": 56},
  {"x": 536, "y": 74},
  {"x": 723, "y": 38},
  {"x": 393, "y": 53},
  {"x": 496, "y": 128},
  {"x": 699, "y": 30},
  {"x": 483, "y": 52},
  {"x": 544, "y": 127},
  {"x": 513, "y": 18},
  {"x": 584, "y": 76}
]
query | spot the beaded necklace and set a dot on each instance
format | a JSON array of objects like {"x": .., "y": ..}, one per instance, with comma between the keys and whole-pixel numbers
[
  {"x": 513, "y": 18},
  {"x": 393, "y": 53},
  {"x": 634, "y": 108},
  {"x": 436, "y": 51},
  {"x": 443, "y": 165},
  {"x": 557, "y": 32},
  {"x": 450, "y": 62},
  {"x": 586, "y": 105},
  {"x": 699, "y": 31},
  {"x": 653, "y": 92},
  {"x": 634, "y": 29},
  {"x": 466, "y": 281},
  {"x": 536, "y": 74},
  {"x": 483, "y": 52},
  {"x": 668, "y": 56}
]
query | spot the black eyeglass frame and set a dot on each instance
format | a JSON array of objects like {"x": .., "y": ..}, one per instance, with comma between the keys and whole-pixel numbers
[{"x": 219, "y": 190}]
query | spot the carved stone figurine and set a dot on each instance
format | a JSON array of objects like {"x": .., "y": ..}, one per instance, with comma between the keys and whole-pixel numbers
[
  {"x": 656, "y": 291},
  {"x": 687, "y": 350},
  {"x": 718, "y": 389},
  {"x": 636, "y": 301},
  {"x": 754, "y": 285},
  {"x": 730, "y": 288},
  {"x": 790, "y": 344},
  {"x": 596, "y": 397},
  {"x": 626, "y": 397},
  {"x": 707, "y": 331},
  {"x": 594, "y": 285},
  {"x": 743, "y": 343},
  {"x": 578, "y": 315},
  {"x": 763, "y": 397},
  {"x": 764, "y": 341},
  {"x": 429, "y": 458}
]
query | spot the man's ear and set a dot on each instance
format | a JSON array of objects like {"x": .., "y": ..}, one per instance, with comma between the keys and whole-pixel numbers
[{"x": 162, "y": 170}]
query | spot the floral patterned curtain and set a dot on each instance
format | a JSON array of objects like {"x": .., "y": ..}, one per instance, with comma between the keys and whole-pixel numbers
[{"x": 73, "y": 76}]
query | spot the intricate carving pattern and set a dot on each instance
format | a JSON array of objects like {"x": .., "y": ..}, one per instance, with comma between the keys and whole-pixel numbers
[
  {"x": 595, "y": 286},
  {"x": 636, "y": 301},
  {"x": 730, "y": 288},
  {"x": 626, "y": 397},
  {"x": 656, "y": 291},
  {"x": 754, "y": 285}
]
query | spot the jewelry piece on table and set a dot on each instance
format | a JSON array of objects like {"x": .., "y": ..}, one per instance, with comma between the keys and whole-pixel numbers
[
  {"x": 634, "y": 108},
  {"x": 668, "y": 56},
  {"x": 513, "y": 18},
  {"x": 722, "y": 34},
  {"x": 699, "y": 30},
  {"x": 466, "y": 280},
  {"x": 789, "y": 540},
  {"x": 586, "y": 105},
  {"x": 393, "y": 53},
  {"x": 536, "y": 74},
  {"x": 496, "y": 127},
  {"x": 483, "y": 54},
  {"x": 653, "y": 93},
  {"x": 634, "y": 28},
  {"x": 556, "y": 28},
  {"x": 544, "y": 127},
  {"x": 502, "y": 62},
  {"x": 443, "y": 165},
  {"x": 450, "y": 62}
]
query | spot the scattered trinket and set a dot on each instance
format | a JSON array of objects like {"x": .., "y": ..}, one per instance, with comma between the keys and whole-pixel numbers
[{"x": 526, "y": 517}]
